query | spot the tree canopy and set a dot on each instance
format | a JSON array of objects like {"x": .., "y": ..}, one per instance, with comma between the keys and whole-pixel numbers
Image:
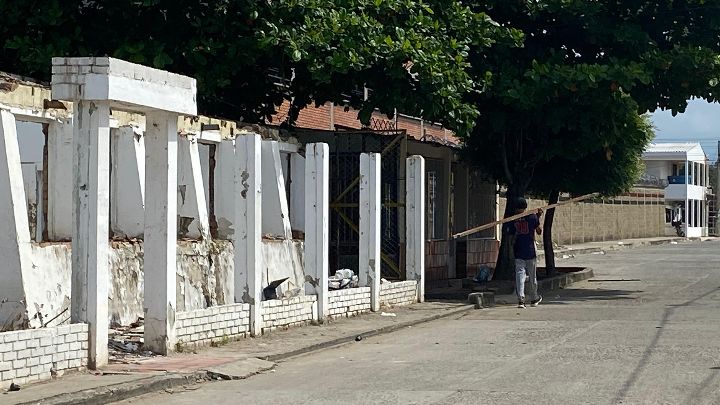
[
  {"x": 249, "y": 56},
  {"x": 584, "y": 64}
]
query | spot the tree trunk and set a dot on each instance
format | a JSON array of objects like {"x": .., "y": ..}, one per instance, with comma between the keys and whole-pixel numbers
[
  {"x": 547, "y": 235},
  {"x": 505, "y": 266}
]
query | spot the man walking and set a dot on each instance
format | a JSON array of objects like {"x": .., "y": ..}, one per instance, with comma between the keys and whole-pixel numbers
[{"x": 524, "y": 230}]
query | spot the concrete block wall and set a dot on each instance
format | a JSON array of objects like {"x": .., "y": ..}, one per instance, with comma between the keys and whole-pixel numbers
[
  {"x": 437, "y": 254},
  {"x": 30, "y": 355},
  {"x": 637, "y": 214},
  {"x": 288, "y": 312},
  {"x": 398, "y": 293},
  {"x": 215, "y": 324},
  {"x": 348, "y": 302}
]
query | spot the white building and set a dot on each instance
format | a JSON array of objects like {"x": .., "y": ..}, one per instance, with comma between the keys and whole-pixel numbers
[{"x": 682, "y": 168}]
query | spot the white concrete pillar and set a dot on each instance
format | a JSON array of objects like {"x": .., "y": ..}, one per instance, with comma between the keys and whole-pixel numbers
[
  {"x": 160, "y": 231},
  {"x": 317, "y": 223},
  {"x": 199, "y": 189},
  {"x": 369, "y": 263},
  {"x": 91, "y": 195},
  {"x": 15, "y": 237},
  {"x": 248, "y": 227},
  {"x": 415, "y": 223}
]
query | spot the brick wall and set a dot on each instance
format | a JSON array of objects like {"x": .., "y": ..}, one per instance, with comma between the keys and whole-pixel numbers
[
  {"x": 399, "y": 293},
  {"x": 437, "y": 253},
  {"x": 481, "y": 252},
  {"x": 348, "y": 302},
  {"x": 288, "y": 312},
  {"x": 204, "y": 326},
  {"x": 30, "y": 355}
]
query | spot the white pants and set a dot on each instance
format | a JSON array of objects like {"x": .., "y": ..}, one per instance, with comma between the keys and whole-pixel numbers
[{"x": 523, "y": 268}]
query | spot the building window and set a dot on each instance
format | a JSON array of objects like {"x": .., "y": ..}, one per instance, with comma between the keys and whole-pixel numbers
[{"x": 436, "y": 211}]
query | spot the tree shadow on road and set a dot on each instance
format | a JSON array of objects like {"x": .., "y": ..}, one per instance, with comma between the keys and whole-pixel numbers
[
  {"x": 567, "y": 296},
  {"x": 642, "y": 364}
]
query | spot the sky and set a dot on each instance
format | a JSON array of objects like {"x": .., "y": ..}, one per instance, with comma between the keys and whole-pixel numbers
[{"x": 699, "y": 123}]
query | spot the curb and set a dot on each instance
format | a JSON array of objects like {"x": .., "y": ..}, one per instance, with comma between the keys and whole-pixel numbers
[
  {"x": 118, "y": 392},
  {"x": 564, "y": 279},
  {"x": 373, "y": 332},
  {"x": 616, "y": 247}
]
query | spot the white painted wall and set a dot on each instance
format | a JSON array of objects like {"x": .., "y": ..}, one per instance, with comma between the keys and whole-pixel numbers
[
  {"x": 284, "y": 258},
  {"x": 187, "y": 203},
  {"x": 658, "y": 168},
  {"x": 127, "y": 183},
  {"x": 682, "y": 191},
  {"x": 275, "y": 218},
  {"x": 297, "y": 192},
  {"x": 224, "y": 190},
  {"x": 60, "y": 155},
  {"x": 51, "y": 278}
]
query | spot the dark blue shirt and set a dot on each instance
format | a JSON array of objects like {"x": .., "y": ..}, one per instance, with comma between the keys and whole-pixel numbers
[{"x": 524, "y": 231}]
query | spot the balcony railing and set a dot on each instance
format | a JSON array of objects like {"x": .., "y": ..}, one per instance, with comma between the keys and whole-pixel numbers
[{"x": 679, "y": 180}]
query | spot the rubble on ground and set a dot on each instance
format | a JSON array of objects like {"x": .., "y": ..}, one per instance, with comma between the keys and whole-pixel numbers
[
  {"x": 343, "y": 278},
  {"x": 126, "y": 343}
]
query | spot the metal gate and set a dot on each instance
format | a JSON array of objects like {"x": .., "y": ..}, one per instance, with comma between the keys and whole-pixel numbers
[{"x": 345, "y": 153}]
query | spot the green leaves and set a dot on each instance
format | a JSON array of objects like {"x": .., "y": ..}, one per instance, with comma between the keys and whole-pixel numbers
[
  {"x": 413, "y": 57},
  {"x": 573, "y": 94}
]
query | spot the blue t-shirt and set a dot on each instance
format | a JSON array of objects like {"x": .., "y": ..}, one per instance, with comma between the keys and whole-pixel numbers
[{"x": 524, "y": 231}]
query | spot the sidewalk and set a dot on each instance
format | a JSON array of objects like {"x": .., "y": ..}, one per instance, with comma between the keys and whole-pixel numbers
[{"x": 235, "y": 360}]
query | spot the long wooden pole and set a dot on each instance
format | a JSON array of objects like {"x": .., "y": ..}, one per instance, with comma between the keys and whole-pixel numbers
[{"x": 517, "y": 216}]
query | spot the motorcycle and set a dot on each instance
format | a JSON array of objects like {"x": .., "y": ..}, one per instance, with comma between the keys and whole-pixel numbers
[{"x": 678, "y": 228}]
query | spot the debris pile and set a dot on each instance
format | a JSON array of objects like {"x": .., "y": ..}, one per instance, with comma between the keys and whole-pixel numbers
[
  {"x": 127, "y": 342},
  {"x": 343, "y": 278}
]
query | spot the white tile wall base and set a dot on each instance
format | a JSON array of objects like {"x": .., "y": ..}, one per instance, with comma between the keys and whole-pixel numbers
[
  {"x": 215, "y": 324},
  {"x": 348, "y": 302},
  {"x": 30, "y": 355},
  {"x": 399, "y": 293},
  {"x": 288, "y": 312}
]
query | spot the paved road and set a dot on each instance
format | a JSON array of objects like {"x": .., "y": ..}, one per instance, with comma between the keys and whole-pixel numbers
[{"x": 645, "y": 330}]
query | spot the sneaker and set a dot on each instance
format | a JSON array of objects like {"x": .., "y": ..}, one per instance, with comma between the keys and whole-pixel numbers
[
  {"x": 521, "y": 304},
  {"x": 536, "y": 302}
]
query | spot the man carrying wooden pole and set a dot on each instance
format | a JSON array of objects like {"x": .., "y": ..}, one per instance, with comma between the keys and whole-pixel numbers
[{"x": 523, "y": 231}]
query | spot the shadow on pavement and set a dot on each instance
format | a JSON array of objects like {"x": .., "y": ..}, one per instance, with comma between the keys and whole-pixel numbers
[{"x": 568, "y": 296}]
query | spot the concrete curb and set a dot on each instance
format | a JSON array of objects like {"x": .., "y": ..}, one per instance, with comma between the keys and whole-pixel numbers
[
  {"x": 122, "y": 391},
  {"x": 564, "y": 279},
  {"x": 373, "y": 332}
]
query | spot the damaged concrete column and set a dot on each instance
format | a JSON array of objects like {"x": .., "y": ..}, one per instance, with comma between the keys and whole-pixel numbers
[
  {"x": 369, "y": 264},
  {"x": 415, "y": 223},
  {"x": 248, "y": 226},
  {"x": 199, "y": 189},
  {"x": 95, "y": 85},
  {"x": 15, "y": 236},
  {"x": 91, "y": 212},
  {"x": 317, "y": 223},
  {"x": 160, "y": 244}
]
